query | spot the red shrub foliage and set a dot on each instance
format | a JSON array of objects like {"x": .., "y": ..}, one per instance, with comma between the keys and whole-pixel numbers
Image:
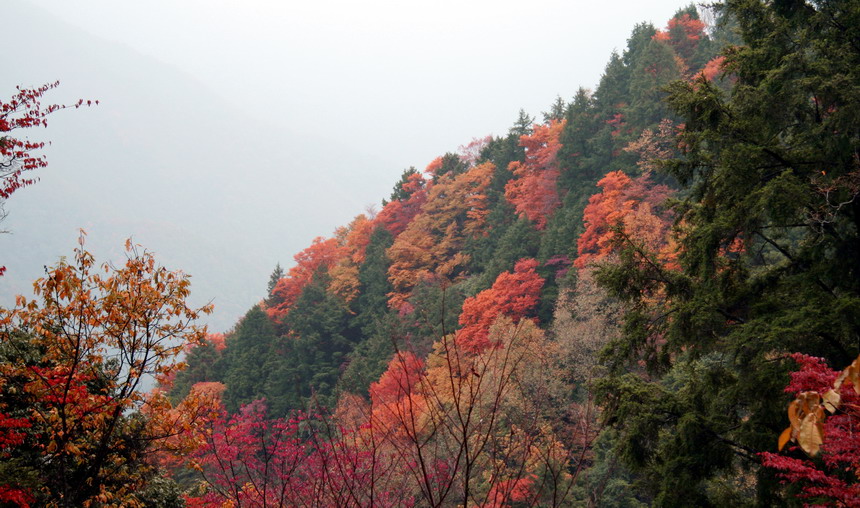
[{"x": 514, "y": 295}]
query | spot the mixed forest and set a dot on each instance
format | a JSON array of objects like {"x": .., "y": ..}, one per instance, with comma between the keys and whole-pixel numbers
[{"x": 648, "y": 295}]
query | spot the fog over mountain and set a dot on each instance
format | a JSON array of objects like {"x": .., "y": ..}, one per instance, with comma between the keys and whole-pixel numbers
[{"x": 163, "y": 160}]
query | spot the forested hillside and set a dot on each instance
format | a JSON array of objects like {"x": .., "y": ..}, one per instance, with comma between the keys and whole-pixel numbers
[{"x": 611, "y": 305}]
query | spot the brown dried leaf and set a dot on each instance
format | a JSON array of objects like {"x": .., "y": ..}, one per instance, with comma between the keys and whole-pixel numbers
[
  {"x": 851, "y": 373},
  {"x": 809, "y": 402},
  {"x": 854, "y": 375},
  {"x": 832, "y": 400},
  {"x": 839, "y": 380},
  {"x": 811, "y": 436},
  {"x": 793, "y": 416}
]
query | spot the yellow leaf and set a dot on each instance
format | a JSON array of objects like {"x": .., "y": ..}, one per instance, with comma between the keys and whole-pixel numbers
[{"x": 784, "y": 437}]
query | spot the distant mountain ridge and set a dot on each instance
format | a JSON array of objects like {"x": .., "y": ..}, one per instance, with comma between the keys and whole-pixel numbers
[{"x": 167, "y": 162}]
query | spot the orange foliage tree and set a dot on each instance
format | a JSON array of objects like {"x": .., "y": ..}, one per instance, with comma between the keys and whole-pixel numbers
[
  {"x": 323, "y": 253},
  {"x": 630, "y": 207},
  {"x": 533, "y": 191},
  {"x": 431, "y": 245},
  {"x": 182, "y": 426},
  {"x": 344, "y": 274},
  {"x": 73, "y": 363}
]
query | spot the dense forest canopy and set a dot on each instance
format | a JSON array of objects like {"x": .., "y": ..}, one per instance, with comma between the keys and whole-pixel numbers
[{"x": 611, "y": 305}]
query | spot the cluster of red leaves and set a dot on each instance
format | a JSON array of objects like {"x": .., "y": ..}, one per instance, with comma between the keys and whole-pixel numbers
[
  {"x": 404, "y": 371},
  {"x": 217, "y": 340},
  {"x": 514, "y": 295},
  {"x": 533, "y": 190},
  {"x": 12, "y": 435},
  {"x": 10, "y": 432},
  {"x": 12, "y": 496},
  {"x": 434, "y": 166},
  {"x": 634, "y": 205},
  {"x": 617, "y": 123},
  {"x": 66, "y": 386},
  {"x": 252, "y": 459},
  {"x": 834, "y": 477},
  {"x": 22, "y": 111},
  {"x": 396, "y": 399}
]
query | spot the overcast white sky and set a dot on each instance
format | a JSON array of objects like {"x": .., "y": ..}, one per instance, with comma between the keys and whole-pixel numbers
[{"x": 404, "y": 80}]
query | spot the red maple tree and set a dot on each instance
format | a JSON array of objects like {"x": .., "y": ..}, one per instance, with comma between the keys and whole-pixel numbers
[
  {"x": 533, "y": 191},
  {"x": 513, "y": 295},
  {"x": 396, "y": 215}
]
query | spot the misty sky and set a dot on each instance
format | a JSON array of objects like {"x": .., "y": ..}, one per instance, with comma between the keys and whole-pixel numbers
[
  {"x": 231, "y": 133},
  {"x": 404, "y": 80}
]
